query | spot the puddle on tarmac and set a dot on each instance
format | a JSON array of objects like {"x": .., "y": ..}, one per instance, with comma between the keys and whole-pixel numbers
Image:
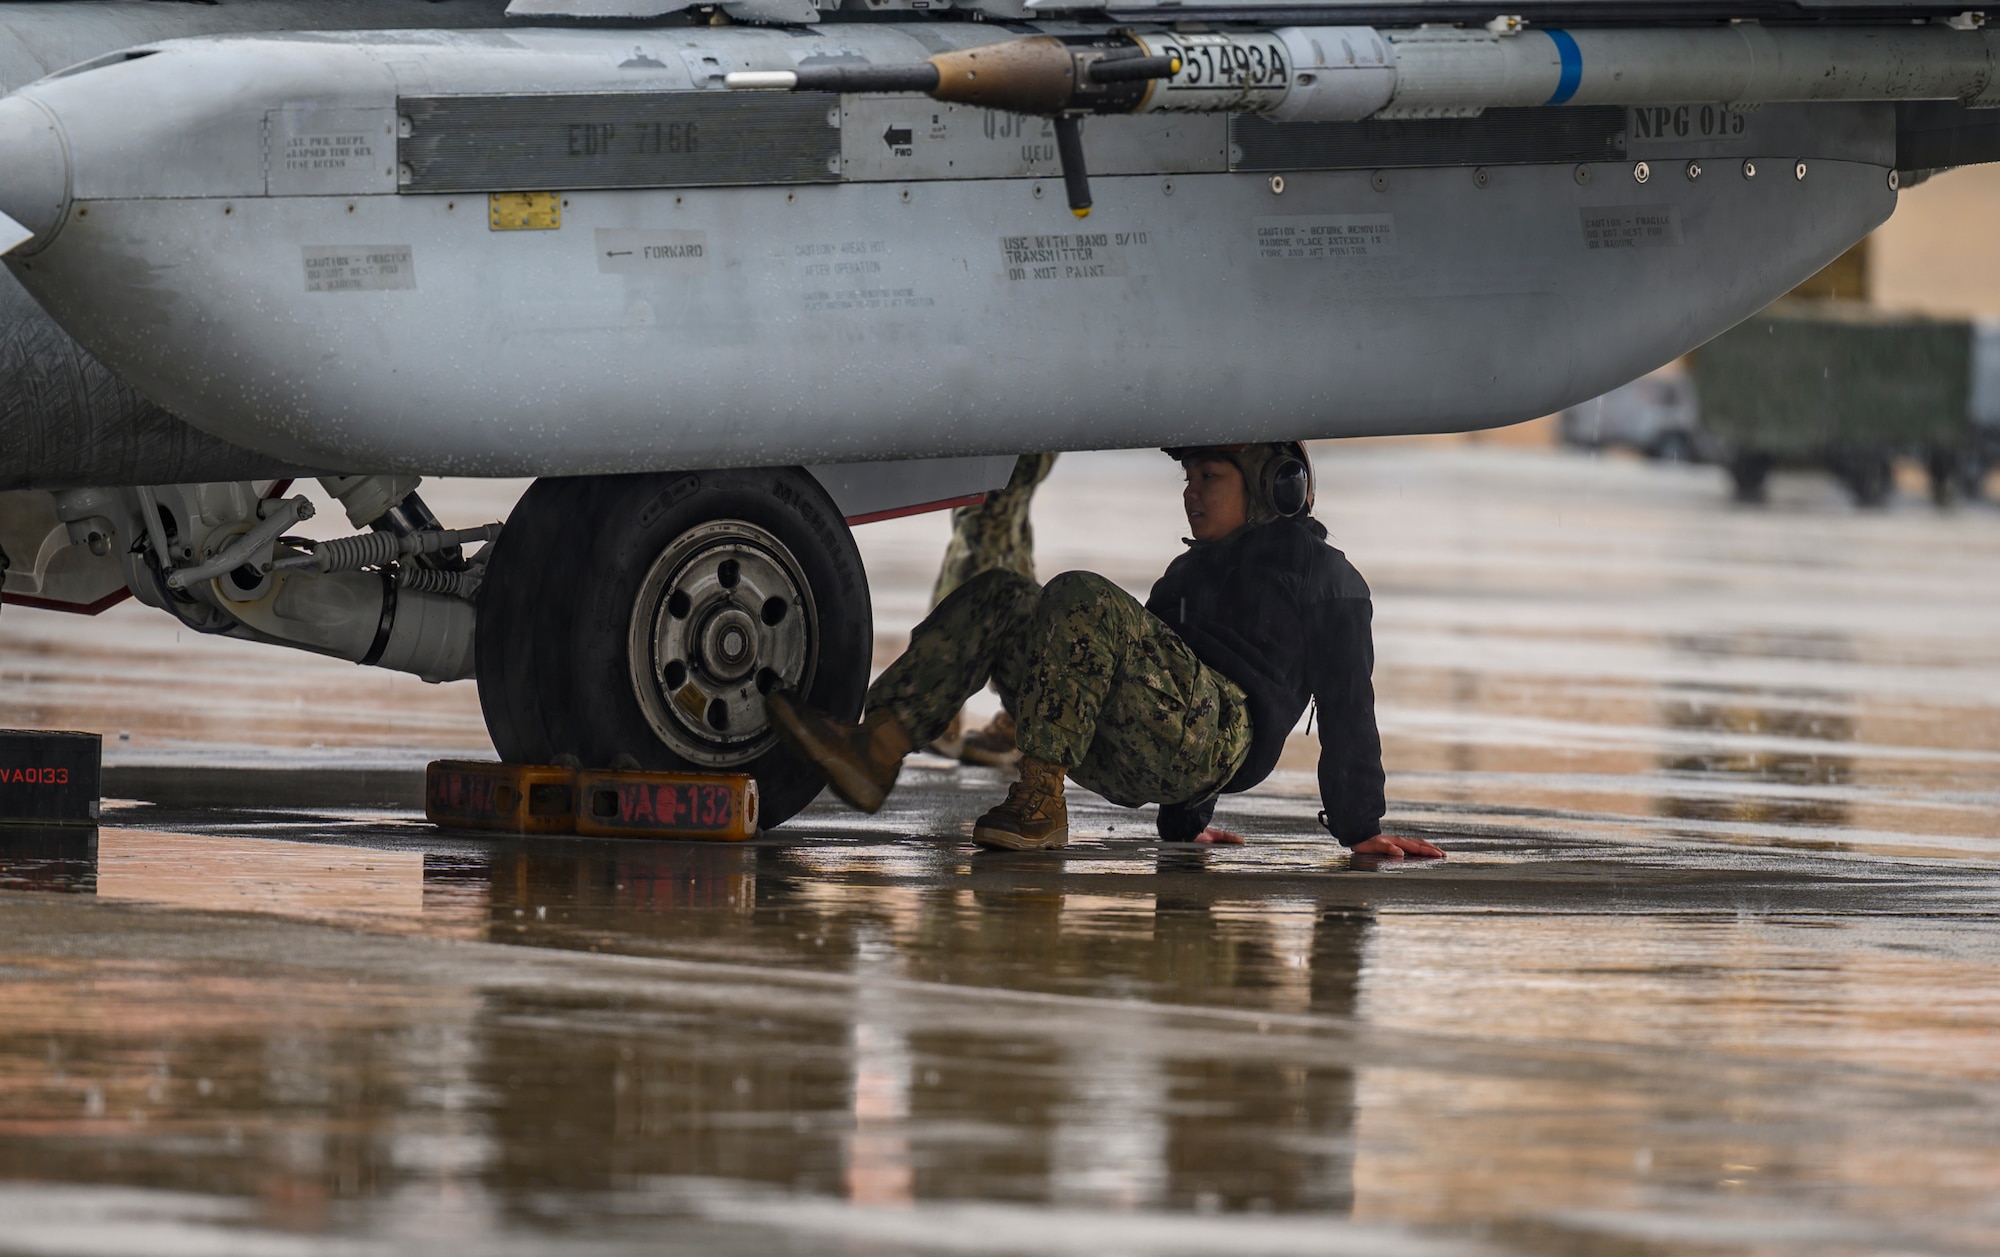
[
  {"x": 866, "y": 1040},
  {"x": 1710, "y": 969}
]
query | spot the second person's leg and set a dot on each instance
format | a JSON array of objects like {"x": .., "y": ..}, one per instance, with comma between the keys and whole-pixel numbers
[
  {"x": 978, "y": 631},
  {"x": 997, "y": 533},
  {"x": 975, "y": 634}
]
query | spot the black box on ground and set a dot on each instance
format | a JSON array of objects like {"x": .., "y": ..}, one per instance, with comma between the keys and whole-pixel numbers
[{"x": 49, "y": 778}]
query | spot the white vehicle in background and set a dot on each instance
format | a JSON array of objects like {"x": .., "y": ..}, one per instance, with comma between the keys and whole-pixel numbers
[{"x": 1656, "y": 414}]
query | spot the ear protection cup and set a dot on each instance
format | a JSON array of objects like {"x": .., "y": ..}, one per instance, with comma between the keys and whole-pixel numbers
[
  {"x": 1287, "y": 492},
  {"x": 1288, "y": 483},
  {"x": 1284, "y": 480}
]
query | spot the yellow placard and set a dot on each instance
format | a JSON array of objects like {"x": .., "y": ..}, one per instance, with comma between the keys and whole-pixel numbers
[{"x": 524, "y": 211}]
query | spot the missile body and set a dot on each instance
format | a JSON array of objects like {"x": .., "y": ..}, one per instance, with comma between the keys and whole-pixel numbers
[
  {"x": 561, "y": 252},
  {"x": 1346, "y": 73}
]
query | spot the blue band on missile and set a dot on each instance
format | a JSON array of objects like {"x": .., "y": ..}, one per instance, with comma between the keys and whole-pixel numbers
[{"x": 1572, "y": 66}]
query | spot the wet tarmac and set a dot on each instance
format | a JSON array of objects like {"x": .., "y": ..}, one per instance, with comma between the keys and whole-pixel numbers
[{"x": 1711, "y": 969}]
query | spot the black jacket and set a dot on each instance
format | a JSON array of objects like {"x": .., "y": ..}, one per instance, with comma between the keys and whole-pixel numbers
[{"x": 1284, "y": 615}]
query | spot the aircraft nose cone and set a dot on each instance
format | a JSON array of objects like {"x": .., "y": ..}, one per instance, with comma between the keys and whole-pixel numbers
[{"x": 34, "y": 174}]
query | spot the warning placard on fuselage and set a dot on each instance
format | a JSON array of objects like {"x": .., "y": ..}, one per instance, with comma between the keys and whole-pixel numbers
[
  {"x": 320, "y": 152},
  {"x": 1069, "y": 255},
  {"x": 1326, "y": 236},
  {"x": 1630, "y": 227},
  {"x": 359, "y": 267}
]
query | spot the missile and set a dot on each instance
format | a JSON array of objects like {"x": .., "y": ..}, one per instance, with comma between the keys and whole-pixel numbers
[
  {"x": 1348, "y": 73},
  {"x": 1345, "y": 74}
]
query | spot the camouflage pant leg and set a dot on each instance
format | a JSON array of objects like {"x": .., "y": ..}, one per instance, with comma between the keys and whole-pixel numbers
[
  {"x": 996, "y": 533},
  {"x": 1110, "y": 692},
  {"x": 979, "y": 632}
]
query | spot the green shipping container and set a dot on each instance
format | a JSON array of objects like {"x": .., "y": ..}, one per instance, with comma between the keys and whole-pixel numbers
[{"x": 1810, "y": 383}]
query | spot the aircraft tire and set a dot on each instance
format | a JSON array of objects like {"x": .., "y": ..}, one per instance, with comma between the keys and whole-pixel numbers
[
  {"x": 800, "y": 600},
  {"x": 526, "y": 572}
]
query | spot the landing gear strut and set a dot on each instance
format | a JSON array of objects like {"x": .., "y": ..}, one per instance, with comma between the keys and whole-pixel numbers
[{"x": 640, "y": 620}]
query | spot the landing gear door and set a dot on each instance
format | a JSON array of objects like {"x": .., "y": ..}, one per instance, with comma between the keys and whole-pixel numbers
[{"x": 866, "y": 492}]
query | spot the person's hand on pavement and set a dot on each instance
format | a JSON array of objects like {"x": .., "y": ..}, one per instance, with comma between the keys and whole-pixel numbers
[
  {"x": 1219, "y": 837},
  {"x": 1390, "y": 847}
]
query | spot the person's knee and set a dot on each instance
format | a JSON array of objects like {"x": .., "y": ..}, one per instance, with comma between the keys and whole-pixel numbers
[
  {"x": 1081, "y": 599},
  {"x": 1070, "y": 591}
]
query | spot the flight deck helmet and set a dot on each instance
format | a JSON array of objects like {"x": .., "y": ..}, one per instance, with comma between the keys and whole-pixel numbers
[{"x": 1277, "y": 475}]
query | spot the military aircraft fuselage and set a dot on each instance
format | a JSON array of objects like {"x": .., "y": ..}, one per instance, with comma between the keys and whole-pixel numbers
[
  {"x": 744, "y": 261},
  {"x": 576, "y": 251}
]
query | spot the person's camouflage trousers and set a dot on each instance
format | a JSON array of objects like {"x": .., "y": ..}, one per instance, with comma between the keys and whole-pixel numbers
[
  {"x": 1096, "y": 682},
  {"x": 996, "y": 534}
]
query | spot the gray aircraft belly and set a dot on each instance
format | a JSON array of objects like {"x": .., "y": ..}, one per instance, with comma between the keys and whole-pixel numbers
[
  {"x": 854, "y": 321},
  {"x": 858, "y": 296}
]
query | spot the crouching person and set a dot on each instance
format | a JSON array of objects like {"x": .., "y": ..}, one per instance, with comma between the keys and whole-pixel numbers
[{"x": 1175, "y": 702}]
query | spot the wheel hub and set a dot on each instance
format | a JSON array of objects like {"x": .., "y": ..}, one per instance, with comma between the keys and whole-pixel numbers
[
  {"x": 723, "y": 617},
  {"x": 729, "y": 643}
]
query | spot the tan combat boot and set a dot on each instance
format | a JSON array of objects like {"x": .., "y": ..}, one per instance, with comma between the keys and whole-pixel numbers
[
  {"x": 994, "y": 745},
  {"x": 1034, "y": 817},
  {"x": 860, "y": 761}
]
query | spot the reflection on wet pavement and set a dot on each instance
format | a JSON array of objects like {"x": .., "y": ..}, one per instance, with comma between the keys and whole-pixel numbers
[
  {"x": 1710, "y": 969},
  {"x": 1515, "y": 1057},
  {"x": 257, "y": 875},
  {"x": 1788, "y": 752}
]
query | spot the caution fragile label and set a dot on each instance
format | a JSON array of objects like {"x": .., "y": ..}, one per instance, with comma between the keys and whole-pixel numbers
[
  {"x": 359, "y": 267},
  {"x": 1631, "y": 227}
]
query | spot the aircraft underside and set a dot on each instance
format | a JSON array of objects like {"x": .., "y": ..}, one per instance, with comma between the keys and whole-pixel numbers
[{"x": 727, "y": 287}]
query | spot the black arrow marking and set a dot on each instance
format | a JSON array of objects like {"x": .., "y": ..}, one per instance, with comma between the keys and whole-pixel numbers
[{"x": 898, "y": 137}]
